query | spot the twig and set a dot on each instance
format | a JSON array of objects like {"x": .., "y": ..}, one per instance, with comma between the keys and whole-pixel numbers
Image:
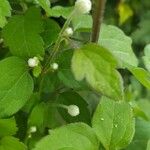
[{"x": 99, "y": 7}]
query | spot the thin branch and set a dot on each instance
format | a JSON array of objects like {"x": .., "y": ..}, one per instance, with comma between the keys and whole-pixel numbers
[
  {"x": 98, "y": 13},
  {"x": 57, "y": 44}
]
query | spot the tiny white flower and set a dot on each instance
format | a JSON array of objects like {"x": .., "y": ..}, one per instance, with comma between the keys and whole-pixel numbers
[
  {"x": 33, "y": 129},
  {"x": 33, "y": 62},
  {"x": 73, "y": 110},
  {"x": 68, "y": 31},
  {"x": 83, "y": 6},
  {"x": 54, "y": 66}
]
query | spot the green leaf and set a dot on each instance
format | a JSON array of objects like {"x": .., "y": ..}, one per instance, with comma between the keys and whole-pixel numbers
[
  {"x": 59, "y": 11},
  {"x": 44, "y": 115},
  {"x": 141, "y": 34},
  {"x": 144, "y": 105},
  {"x": 113, "y": 123},
  {"x": 95, "y": 64},
  {"x": 50, "y": 83},
  {"x": 125, "y": 12},
  {"x": 65, "y": 74},
  {"x": 141, "y": 75},
  {"x": 118, "y": 44},
  {"x": 76, "y": 136},
  {"x": 146, "y": 58},
  {"x": 5, "y": 11},
  {"x": 37, "y": 71},
  {"x": 142, "y": 135},
  {"x": 148, "y": 145},
  {"x": 16, "y": 85},
  {"x": 45, "y": 4},
  {"x": 7, "y": 127},
  {"x": 33, "y": 101},
  {"x": 38, "y": 116},
  {"x": 21, "y": 34},
  {"x": 72, "y": 98},
  {"x": 11, "y": 143},
  {"x": 51, "y": 31},
  {"x": 138, "y": 111},
  {"x": 82, "y": 22}
]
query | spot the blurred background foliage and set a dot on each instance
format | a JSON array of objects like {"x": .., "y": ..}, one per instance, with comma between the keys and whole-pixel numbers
[{"x": 133, "y": 17}]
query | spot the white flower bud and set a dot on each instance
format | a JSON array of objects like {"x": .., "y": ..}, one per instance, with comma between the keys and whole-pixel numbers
[
  {"x": 33, "y": 129},
  {"x": 83, "y": 6},
  {"x": 54, "y": 66},
  {"x": 73, "y": 110},
  {"x": 68, "y": 32},
  {"x": 33, "y": 62}
]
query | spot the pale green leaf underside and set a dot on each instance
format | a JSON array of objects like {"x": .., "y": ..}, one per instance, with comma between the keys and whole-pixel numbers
[
  {"x": 97, "y": 66},
  {"x": 16, "y": 85},
  {"x": 114, "y": 124},
  {"x": 76, "y": 136},
  {"x": 21, "y": 34},
  {"x": 5, "y": 11},
  {"x": 119, "y": 44}
]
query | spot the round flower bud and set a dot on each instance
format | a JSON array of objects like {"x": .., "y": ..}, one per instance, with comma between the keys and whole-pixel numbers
[
  {"x": 83, "y": 6},
  {"x": 33, "y": 62},
  {"x": 68, "y": 32},
  {"x": 33, "y": 129},
  {"x": 54, "y": 66},
  {"x": 73, "y": 110}
]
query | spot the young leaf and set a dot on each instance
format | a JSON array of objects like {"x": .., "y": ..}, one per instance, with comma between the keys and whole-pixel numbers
[
  {"x": 141, "y": 75},
  {"x": 5, "y": 11},
  {"x": 11, "y": 143},
  {"x": 125, "y": 12},
  {"x": 118, "y": 44},
  {"x": 16, "y": 85},
  {"x": 45, "y": 4},
  {"x": 7, "y": 127},
  {"x": 76, "y": 136},
  {"x": 97, "y": 66},
  {"x": 21, "y": 34},
  {"x": 113, "y": 123},
  {"x": 59, "y": 11}
]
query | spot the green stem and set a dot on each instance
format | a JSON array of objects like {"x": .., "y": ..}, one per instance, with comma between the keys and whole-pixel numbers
[
  {"x": 98, "y": 14},
  {"x": 60, "y": 105},
  {"x": 58, "y": 42}
]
